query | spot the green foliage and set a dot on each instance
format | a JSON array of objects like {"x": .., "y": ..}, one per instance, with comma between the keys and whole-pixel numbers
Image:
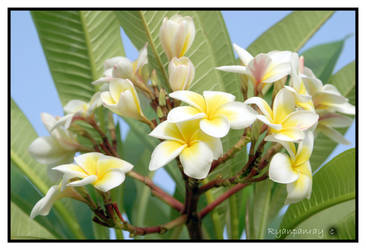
[
  {"x": 76, "y": 44},
  {"x": 332, "y": 202}
]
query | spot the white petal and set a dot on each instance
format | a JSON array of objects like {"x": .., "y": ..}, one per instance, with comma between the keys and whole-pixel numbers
[
  {"x": 215, "y": 99},
  {"x": 301, "y": 188},
  {"x": 264, "y": 119},
  {"x": 234, "y": 69},
  {"x": 109, "y": 63},
  {"x": 277, "y": 72},
  {"x": 333, "y": 134},
  {"x": 164, "y": 153},
  {"x": 166, "y": 131},
  {"x": 312, "y": 85},
  {"x": 262, "y": 105},
  {"x": 238, "y": 114},
  {"x": 110, "y": 180},
  {"x": 289, "y": 135},
  {"x": 259, "y": 67},
  {"x": 345, "y": 108},
  {"x": 48, "y": 121},
  {"x": 280, "y": 57},
  {"x": 184, "y": 113},
  {"x": 108, "y": 163},
  {"x": 44, "y": 205},
  {"x": 300, "y": 119},
  {"x": 46, "y": 150},
  {"x": 217, "y": 127},
  {"x": 335, "y": 120},
  {"x": 283, "y": 105},
  {"x": 190, "y": 97},
  {"x": 245, "y": 56},
  {"x": 196, "y": 160},
  {"x": 87, "y": 159},
  {"x": 75, "y": 106},
  {"x": 305, "y": 148},
  {"x": 290, "y": 147},
  {"x": 214, "y": 143},
  {"x": 83, "y": 182},
  {"x": 280, "y": 169},
  {"x": 71, "y": 171}
]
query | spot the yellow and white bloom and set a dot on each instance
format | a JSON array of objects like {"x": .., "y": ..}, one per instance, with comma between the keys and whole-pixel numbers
[
  {"x": 102, "y": 171},
  {"x": 122, "y": 99},
  {"x": 302, "y": 98},
  {"x": 122, "y": 67},
  {"x": 216, "y": 111},
  {"x": 181, "y": 73},
  {"x": 58, "y": 148},
  {"x": 263, "y": 68},
  {"x": 285, "y": 122},
  {"x": 176, "y": 35},
  {"x": 327, "y": 97},
  {"x": 196, "y": 150},
  {"x": 44, "y": 205},
  {"x": 295, "y": 171}
]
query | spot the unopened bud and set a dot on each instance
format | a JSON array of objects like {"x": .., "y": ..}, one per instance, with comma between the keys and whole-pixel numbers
[
  {"x": 177, "y": 35},
  {"x": 162, "y": 96},
  {"x": 154, "y": 78},
  {"x": 181, "y": 73}
]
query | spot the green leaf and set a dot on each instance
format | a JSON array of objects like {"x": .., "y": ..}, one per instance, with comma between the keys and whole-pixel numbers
[
  {"x": 321, "y": 59},
  {"x": 24, "y": 228},
  {"x": 75, "y": 44},
  {"x": 291, "y": 33},
  {"x": 331, "y": 205},
  {"x": 22, "y": 135},
  {"x": 345, "y": 81}
]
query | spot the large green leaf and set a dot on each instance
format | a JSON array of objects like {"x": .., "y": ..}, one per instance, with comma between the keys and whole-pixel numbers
[
  {"x": 331, "y": 206},
  {"x": 321, "y": 59},
  {"x": 24, "y": 228},
  {"x": 291, "y": 33},
  {"x": 345, "y": 81},
  {"x": 22, "y": 135},
  {"x": 76, "y": 43}
]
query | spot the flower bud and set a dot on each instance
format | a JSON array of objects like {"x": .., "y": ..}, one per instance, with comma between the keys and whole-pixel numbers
[
  {"x": 177, "y": 35},
  {"x": 181, "y": 73},
  {"x": 122, "y": 68}
]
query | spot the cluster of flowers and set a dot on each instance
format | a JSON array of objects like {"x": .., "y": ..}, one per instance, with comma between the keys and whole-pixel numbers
[{"x": 194, "y": 132}]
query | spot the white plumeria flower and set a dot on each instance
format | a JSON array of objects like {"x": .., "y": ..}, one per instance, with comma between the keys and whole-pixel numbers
[
  {"x": 327, "y": 97},
  {"x": 44, "y": 205},
  {"x": 58, "y": 148},
  {"x": 302, "y": 98},
  {"x": 181, "y": 73},
  {"x": 122, "y": 67},
  {"x": 330, "y": 120},
  {"x": 285, "y": 122},
  {"x": 122, "y": 99},
  {"x": 196, "y": 150},
  {"x": 102, "y": 171},
  {"x": 217, "y": 111},
  {"x": 176, "y": 35},
  {"x": 263, "y": 68},
  {"x": 78, "y": 108},
  {"x": 295, "y": 171}
]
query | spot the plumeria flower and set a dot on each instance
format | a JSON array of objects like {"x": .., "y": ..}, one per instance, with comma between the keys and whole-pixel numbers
[
  {"x": 122, "y": 99},
  {"x": 44, "y": 205},
  {"x": 196, "y": 150},
  {"x": 263, "y": 68},
  {"x": 216, "y": 111},
  {"x": 58, "y": 148},
  {"x": 78, "y": 108},
  {"x": 327, "y": 97},
  {"x": 102, "y": 171},
  {"x": 295, "y": 171},
  {"x": 122, "y": 67},
  {"x": 181, "y": 73},
  {"x": 285, "y": 122},
  {"x": 176, "y": 35},
  {"x": 297, "y": 87}
]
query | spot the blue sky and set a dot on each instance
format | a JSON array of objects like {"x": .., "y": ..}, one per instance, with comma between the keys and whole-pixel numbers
[{"x": 32, "y": 85}]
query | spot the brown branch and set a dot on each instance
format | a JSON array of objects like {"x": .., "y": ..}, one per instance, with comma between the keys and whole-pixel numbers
[
  {"x": 222, "y": 198},
  {"x": 158, "y": 192},
  {"x": 239, "y": 145}
]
